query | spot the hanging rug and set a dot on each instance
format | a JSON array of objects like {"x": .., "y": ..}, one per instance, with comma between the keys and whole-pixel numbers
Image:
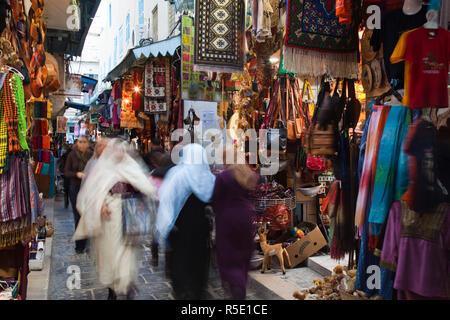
[
  {"x": 219, "y": 44},
  {"x": 317, "y": 43}
]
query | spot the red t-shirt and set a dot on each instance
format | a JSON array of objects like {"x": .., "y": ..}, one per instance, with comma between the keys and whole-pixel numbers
[{"x": 429, "y": 57}]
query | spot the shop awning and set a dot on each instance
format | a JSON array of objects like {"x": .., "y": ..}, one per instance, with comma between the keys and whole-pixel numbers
[
  {"x": 59, "y": 38},
  {"x": 78, "y": 106},
  {"x": 137, "y": 57}
]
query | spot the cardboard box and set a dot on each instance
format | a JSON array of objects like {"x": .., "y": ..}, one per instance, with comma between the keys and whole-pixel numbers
[
  {"x": 307, "y": 246},
  {"x": 309, "y": 209}
]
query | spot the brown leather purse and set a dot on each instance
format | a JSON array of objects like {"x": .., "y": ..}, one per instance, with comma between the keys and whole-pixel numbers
[
  {"x": 295, "y": 125},
  {"x": 320, "y": 139}
]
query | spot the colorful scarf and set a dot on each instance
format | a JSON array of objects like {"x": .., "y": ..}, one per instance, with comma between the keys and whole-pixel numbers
[
  {"x": 316, "y": 43},
  {"x": 391, "y": 178},
  {"x": 219, "y": 47},
  {"x": 3, "y": 136},
  {"x": 21, "y": 111},
  {"x": 12, "y": 122},
  {"x": 376, "y": 126}
]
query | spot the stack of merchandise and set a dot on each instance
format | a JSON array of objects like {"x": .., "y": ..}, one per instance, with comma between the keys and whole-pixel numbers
[{"x": 43, "y": 157}]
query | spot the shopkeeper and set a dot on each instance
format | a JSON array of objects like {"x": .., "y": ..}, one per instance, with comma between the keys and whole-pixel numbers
[{"x": 75, "y": 165}]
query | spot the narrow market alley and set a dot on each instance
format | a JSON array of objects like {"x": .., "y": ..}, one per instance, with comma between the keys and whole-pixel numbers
[{"x": 153, "y": 285}]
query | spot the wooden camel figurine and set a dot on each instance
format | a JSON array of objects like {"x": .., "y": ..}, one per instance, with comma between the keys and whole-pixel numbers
[{"x": 272, "y": 250}]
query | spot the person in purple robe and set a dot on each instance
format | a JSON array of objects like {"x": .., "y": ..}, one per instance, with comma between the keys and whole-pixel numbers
[
  {"x": 417, "y": 248},
  {"x": 235, "y": 232}
]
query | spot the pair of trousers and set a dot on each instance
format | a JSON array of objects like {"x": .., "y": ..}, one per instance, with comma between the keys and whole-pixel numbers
[{"x": 73, "y": 194}]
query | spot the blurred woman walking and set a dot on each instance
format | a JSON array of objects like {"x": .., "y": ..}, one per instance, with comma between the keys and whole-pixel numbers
[
  {"x": 182, "y": 221},
  {"x": 115, "y": 177},
  {"x": 235, "y": 232}
]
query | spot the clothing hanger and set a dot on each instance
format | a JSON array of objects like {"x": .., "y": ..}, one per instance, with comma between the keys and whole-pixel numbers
[
  {"x": 432, "y": 17},
  {"x": 13, "y": 70}
]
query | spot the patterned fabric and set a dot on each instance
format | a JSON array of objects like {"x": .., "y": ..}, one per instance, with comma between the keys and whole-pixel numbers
[
  {"x": 316, "y": 43},
  {"x": 11, "y": 119},
  {"x": 220, "y": 45},
  {"x": 21, "y": 112},
  {"x": 3, "y": 136},
  {"x": 312, "y": 26},
  {"x": 12, "y": 206},
  {"x": 423, "y": 226},
  {"x": 193, "y": 84},
  {"x": 155, "y": 80}
]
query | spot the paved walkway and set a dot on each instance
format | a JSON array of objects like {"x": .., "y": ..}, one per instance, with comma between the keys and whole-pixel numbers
[{"x": 152, "y": 283}]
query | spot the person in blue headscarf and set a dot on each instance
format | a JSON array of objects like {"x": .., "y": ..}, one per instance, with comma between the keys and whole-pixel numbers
[{"x": 182, "y": 222}]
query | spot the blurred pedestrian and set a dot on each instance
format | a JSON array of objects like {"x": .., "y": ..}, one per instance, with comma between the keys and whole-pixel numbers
[
  {"x": 235, "y": 232},
  {"x": 116, "y": 175},
  {"x": 98, "y": 150},
  {"x": 161, "y": 164},
  {"x": 62, "y": 165},
  {"x": 74, "y": 170},
  {"x": 182, "y": 221}
]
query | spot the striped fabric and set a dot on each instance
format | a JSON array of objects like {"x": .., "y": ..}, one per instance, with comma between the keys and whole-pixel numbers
[
  {"x": 376, "y": 127},
  {"x": 12, "y": 203},
  {"x": 12, "y": 122},
  {"x": 3, "y": 136}
]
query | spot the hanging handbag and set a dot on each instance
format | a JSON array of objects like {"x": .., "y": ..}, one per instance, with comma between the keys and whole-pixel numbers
[
  {"x": 320, "y": 138},
  {"x": 316, "y": 163},
  {"x": 291, "y": 123},
  {"x": 330, "y": 107},
  {"x": 307, "y": 105},
  {"x": 296, "y": 126},
  {"x": 353, "y": 107},
  {"x": 138, "y": 214}
]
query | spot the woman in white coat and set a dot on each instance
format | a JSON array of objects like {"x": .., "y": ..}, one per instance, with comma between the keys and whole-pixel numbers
[{"x": 100, "y": 204}]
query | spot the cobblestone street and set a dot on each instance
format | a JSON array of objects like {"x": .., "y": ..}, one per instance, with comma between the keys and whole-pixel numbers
[{"x": 152, "y": 283}]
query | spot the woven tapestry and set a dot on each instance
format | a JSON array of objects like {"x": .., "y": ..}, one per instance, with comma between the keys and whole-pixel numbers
[
  {"x": 194, "y": 85},
  {"x": 219, "y": 47},
  {"x": 157, "y": 86},
  {"x": 316, "y": 43}
]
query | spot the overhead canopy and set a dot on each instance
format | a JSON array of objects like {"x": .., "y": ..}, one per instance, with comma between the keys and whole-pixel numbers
[
  {"x": 59, "y": 38},
  {"x": 78, "y": 106},
  {"x": 138, "y": 56}
]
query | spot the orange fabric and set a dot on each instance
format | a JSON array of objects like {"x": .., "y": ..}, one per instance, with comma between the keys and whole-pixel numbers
[
  {"x": 383, "y": 118},
  {"x": 344, "y": 11},
  {"x": 45, "y": 142}
]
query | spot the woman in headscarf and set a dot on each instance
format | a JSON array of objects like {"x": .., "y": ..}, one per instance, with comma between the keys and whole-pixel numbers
[
  {"x": 98, "y": 150},
  {"x": 115, "y": 174},
  {"x": 182, "y": 222},
  {"x": 235, "y": 231}
]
